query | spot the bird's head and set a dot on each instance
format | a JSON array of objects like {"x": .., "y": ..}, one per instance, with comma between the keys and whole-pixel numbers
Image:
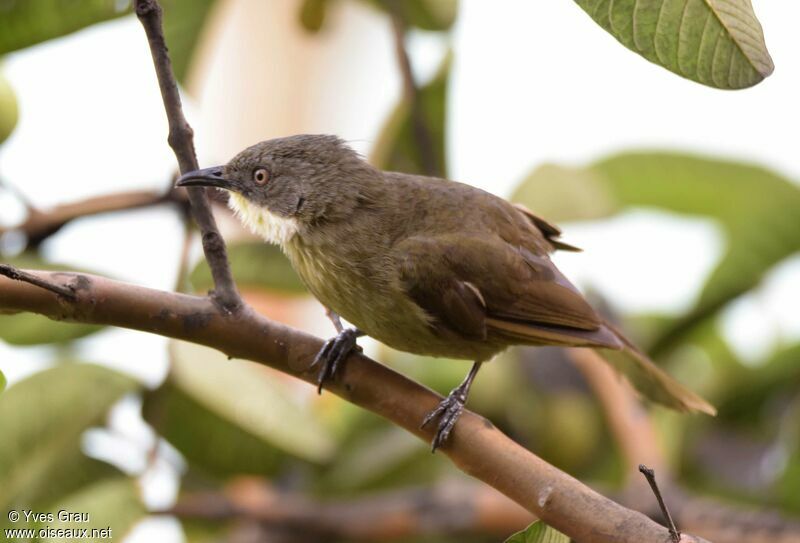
[{"x": 281, "y": 185}]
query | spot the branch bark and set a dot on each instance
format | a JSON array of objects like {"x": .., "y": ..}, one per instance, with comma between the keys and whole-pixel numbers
[
  {"x": 181, "y": 139},
  {"x": 476, "y": 446}
]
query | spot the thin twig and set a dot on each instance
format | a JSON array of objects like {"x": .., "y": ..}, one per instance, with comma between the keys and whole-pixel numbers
[
  {"x": 422, "y": 134},
  {"x": 476, "y": 446},
  {"x": 181, "y": 139},
  {"x": 26, "y": 277},
  {"x": 41, "y": 224},
  {"x": 650, "y": 475}
]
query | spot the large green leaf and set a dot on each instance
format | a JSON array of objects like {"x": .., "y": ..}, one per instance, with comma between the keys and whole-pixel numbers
[
  {"x": 397, "y": 148},
  {"x": 32, "y": 329},
  {"x": 42, "y": 419},
  {"x": 538, "y": 532},
  {"x": 757, "y": 208},
  {"x": 254, "y": 264},
  {"x": 28, "y": 22},
  {"x": 719, "y": 43},
  {"x": 9, "y": 112},
  {"x": 113, "y": 506},
  {"x": 251, "y": 419}
]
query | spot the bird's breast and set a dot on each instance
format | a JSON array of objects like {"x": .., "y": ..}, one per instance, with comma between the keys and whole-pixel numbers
[{"x": 259, "y": 220}]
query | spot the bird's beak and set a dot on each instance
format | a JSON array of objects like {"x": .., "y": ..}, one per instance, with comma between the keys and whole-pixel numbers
[{"x": 207, "y": 177}]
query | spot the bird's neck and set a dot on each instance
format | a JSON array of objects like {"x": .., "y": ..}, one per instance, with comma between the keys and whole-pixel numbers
[{"x": 259, "y": 220}]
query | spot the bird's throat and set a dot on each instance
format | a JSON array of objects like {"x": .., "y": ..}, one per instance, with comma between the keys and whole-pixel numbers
[{"x": 273, "y": 228}]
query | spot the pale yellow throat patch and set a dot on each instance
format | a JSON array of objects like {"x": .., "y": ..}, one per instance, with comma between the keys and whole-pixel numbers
[{"x": 271, "y": 227}]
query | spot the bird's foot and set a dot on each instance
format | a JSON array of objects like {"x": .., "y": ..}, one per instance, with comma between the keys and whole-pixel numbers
[
  {"x": 333, "y": 353},
  {"x": 447, "y": 412}
]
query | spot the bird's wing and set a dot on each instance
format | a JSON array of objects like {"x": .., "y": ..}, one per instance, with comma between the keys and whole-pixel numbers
[
  {"x": 481, "y": 284},
  {"x": 550, "y": 231}
]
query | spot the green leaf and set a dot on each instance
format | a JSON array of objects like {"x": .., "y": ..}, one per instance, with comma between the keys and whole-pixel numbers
[
  {"x": 27, "y": 22},
  {"x": 2, "y": 382},
  {"x": 397, "y": 148},
  {"x": 113, "y": 507},
  {"x": 33, "y": 329},
  {"x": 538, "y": 532},
  {"x": 254, "y": 264},
  {"x": 718, "y": 43},
  {"x": 757, "y": 208},
  {"x": 251, "y": 417},
  {"x": 312, "y": 14},
  {"x": 9, "y": 113},
  {"x": 42, "y": 419},
  {"x": 423, "y": 14},
  {"x": 184, "y": 21}
]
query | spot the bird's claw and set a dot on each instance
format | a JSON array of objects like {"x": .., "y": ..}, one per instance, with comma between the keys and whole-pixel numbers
[
  {"x": 333, "y": 353},
  {"x": 448, "y": 411}
]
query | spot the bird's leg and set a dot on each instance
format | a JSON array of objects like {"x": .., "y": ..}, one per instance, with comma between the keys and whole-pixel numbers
[
  {"x": 335, "y": 350},
  {"x": 450, "y": 408}
]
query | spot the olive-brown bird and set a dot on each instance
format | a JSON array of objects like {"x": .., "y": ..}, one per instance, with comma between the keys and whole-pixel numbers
[{"x": 424, "y": 265}]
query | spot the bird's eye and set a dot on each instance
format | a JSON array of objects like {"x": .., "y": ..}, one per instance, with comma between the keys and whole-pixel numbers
[{"x": 261, "y": 176}]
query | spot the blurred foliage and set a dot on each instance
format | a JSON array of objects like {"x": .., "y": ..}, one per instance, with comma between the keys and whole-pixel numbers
[
  {"x": 312, "y": 14},
  {"x": 184, "y": 21},
  {"x": 433, "y": 15},
  {"x": 255, "y": 420},
  {"x": 29, "y": 22},
  {"x": 719, "y": 44},
  {"x": 112, "y": 504},
  {"x": 422, "y": 14},
  {"x": 42, "y": 420},
  {"x": 9, "y": 113},
  {"x": 255, "y": 265},
  {"x": 757, "y": 208},
  {"x": 32, "y": 329},
  {"x": 3, "y": 382},
  {"x": 397, "y": 148},
  {"x": 538, "y": 532}
]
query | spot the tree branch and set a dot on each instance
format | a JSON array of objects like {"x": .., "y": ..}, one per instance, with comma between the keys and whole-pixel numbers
[
  {"x": 453, "y": 508},
  {"x": 422, "y": 135},
  {"x": 476, "y": 446},
  {"x": 181, "y": 139},
  {"x": 456, "y": 507},
  {"x": 39, "y": 225}
]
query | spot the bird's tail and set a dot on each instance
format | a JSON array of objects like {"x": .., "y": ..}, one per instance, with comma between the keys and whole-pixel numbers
[{"x": 650, "y": 380}]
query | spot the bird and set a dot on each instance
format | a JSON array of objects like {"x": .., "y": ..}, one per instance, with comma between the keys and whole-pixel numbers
[{"x": 424, "y": 265}]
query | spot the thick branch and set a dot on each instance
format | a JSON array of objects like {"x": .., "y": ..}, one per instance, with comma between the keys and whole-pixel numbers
[
  {"x": 422, "y": 135},
  {"x": 181, "y": 139},
  {"x": 476, "y": 446}
]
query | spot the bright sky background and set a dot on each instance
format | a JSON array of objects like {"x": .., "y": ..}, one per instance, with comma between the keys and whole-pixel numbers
[{"x": 533, "y": 82}]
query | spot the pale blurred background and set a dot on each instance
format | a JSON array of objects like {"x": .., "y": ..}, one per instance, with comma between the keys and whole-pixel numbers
[{"x": 532, "y": 82}]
